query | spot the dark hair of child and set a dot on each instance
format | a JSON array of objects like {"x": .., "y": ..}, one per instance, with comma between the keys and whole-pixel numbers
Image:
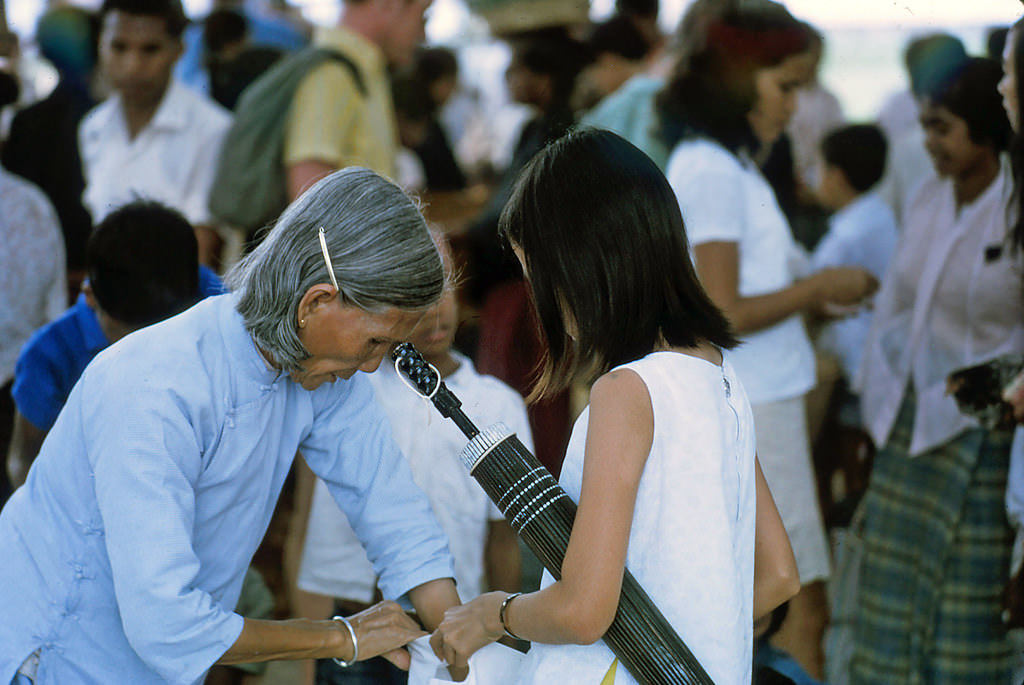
[
  {"x": 859, "y": 151},
  {"x": 143, "y": 263},
  {"x": 168, "y": 10},
  {"x": 606, "y": 257}
]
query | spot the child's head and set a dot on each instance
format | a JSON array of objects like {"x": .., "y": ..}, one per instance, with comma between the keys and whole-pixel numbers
[
  {"x": 143, "y": 267},
  {"x": 435, "y": 333},
  {"x": 602, "y": 243},
  {"x": 854, "y": 161}
]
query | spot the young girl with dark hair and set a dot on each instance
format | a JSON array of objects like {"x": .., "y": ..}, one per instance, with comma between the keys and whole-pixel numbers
[
  {"x": 725, "y": 104},
  {"x": 662, "y": 462}
]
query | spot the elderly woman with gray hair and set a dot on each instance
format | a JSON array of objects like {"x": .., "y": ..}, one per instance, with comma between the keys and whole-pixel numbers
[{"x": 124, "y": 552}]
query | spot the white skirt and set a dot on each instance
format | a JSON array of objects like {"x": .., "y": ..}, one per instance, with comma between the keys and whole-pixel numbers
[{"x": 784, "y": 452}]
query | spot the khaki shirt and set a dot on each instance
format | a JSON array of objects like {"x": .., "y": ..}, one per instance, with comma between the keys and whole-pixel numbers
[{"x": 331, "y": 121}]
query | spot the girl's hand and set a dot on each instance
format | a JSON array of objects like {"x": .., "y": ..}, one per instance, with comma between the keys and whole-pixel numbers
[
  {"x": 382, "y": 630},
  {"x": 844, "y": 285},
  {"x": 468, "y": 627}
]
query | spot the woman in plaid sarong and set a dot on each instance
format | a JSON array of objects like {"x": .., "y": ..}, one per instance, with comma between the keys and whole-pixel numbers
[
  {"x": 936, "y": 558},
  {"x": 936, "y": 540}
]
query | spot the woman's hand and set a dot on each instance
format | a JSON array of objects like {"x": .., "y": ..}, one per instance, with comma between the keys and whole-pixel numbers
[
  {"x": 382, "y": 630},
  {"x": 468, "y": 627},
  {"x": 843, "y": 285}
]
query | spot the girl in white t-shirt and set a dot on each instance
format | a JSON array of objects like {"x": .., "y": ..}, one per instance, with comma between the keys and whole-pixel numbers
[
  {"x": 662, "y": 462},
  {"x": 723, "y": 107}
]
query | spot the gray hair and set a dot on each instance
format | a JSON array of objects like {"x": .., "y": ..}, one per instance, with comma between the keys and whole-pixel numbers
[{"x": 381, "y": 250}]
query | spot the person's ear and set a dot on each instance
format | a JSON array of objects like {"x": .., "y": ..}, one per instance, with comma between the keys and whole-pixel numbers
[
  {"x": 90, "y": 296},
  {"x": 313, "y": 303}
]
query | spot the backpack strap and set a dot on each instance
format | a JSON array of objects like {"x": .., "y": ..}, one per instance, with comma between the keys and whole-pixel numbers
[{"x": 336, "y": 56}]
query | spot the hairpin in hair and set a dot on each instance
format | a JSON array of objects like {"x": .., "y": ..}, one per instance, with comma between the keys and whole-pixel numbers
[{"x": 327, "y": 259}]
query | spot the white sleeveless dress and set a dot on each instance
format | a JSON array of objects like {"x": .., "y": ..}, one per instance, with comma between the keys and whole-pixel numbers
[{"x": 691, "y": 546}]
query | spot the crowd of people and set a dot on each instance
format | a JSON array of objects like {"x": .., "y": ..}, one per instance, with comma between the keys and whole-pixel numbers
[{"x": 688, "y": 287}]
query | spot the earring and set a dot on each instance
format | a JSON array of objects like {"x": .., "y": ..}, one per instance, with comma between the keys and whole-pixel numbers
[{"x": 302, "y": 323}]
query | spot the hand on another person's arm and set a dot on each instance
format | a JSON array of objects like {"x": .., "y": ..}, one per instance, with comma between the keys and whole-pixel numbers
[{"x": 380, "y": 630}]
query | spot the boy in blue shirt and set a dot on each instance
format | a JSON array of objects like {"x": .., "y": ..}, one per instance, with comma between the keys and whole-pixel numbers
[{"x": 142, "y": 268}]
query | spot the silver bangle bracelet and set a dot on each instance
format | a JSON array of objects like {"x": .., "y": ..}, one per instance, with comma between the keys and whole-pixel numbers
[
  {"x": 501, "y": 615},
  {"x": 355, "y": 643}
]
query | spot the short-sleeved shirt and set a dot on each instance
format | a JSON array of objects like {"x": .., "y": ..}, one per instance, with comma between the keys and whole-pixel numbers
[
  {"x": 951, "y": 298},
  {"x": 333, "y": 562},
  {"x": 172, "y": 160},
  {"x": 33, "y": 288},
  {"x": 333, "y": 121},
  {"x": 125, "y": 549},
  {"x": 724, "y": 198},
  {"x": 863, "y": 234}
]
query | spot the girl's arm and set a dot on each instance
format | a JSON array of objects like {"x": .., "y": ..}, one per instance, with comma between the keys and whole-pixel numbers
[
  {"x": 718, "y": 265},
  {"x": 580, "y": 607},
  {"x": 776, "y": 578}
]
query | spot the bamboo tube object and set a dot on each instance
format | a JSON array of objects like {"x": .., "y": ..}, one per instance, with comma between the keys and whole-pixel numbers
[{"x": 542, "y": 513}]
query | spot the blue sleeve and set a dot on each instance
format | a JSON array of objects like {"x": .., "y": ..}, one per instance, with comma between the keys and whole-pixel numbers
[
  {"x": 42, "y": 379},
  {"x": 352, "y": 450},
  {"x": 146, "y": 460},
  {"x": 210, "y": 283}
]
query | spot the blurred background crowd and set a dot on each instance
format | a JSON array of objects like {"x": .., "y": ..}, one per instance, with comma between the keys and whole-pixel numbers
[{"x": 113, "y": 114}]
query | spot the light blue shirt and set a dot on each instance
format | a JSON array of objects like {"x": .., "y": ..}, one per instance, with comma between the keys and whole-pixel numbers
[
  {"x": 124, "y": 552},
  {"x": 630, "y": 112},
  {"x": 863, "y": 234}
]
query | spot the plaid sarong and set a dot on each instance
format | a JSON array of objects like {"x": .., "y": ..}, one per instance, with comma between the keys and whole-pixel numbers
[{"x": 936, "y": 560}]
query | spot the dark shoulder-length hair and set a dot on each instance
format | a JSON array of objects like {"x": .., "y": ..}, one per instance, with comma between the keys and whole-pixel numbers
[
  {"x": 710, "y": 90},
  {"x": 606, "y": 256}
]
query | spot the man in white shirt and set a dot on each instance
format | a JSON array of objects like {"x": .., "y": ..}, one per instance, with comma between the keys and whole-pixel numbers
[{"x": 153, "y": 138}]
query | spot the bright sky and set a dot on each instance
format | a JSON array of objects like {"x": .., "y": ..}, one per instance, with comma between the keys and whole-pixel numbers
[
  {"x": 824, "y": 13},
  {"x": 909, "y": 13}
]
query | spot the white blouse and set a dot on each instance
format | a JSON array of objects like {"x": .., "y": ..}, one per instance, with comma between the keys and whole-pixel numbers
[
  {"x": 952, "y": 297},
  {"x": 725, "y": 199},
  {"x": 691, "y": 543}
]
